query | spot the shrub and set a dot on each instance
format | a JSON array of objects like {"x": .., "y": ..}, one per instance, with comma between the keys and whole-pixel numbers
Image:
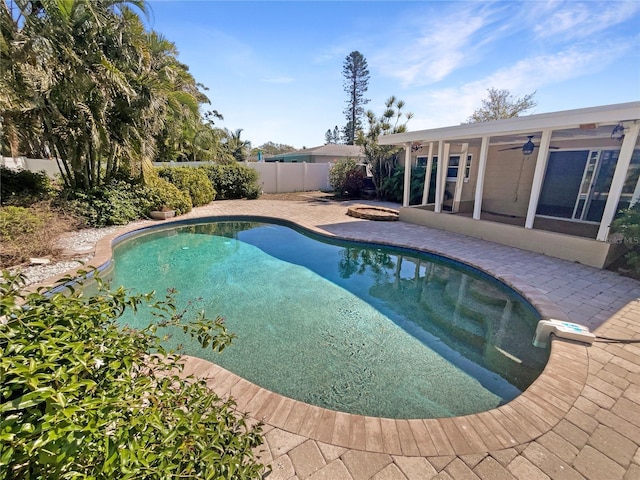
[
  {"x": 116, "y": 203},
  {"x": 30, "y": 232},
  {"x": 628, "y": 224},
  {"x": 233, "y": 181},
  {"x": 83, "y": 397},
  {"x": 346, "y": 178},
  {"x": 23, "y": 187},
  {"x": 159, "y": 193},
  {"x": 194, "y": 181},
  {"x": 393, "y": 186}
]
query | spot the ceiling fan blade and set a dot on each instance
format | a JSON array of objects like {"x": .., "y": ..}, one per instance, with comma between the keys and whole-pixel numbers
[
  {"x": 510, "y": 148},
  {"x": 551, "y": 147}
]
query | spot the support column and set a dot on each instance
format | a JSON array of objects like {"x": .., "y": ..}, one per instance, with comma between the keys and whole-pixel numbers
[
  {"x": 482, "y": 168},
  {"x": 438, "y": 206},
  {"x": 538, "y": 176},
  {"x": 462, "y": 166},
  {"x": 619, "y": 176},
  {"x": 427, "y": 176},
  {"x": 406, "y": 192}
]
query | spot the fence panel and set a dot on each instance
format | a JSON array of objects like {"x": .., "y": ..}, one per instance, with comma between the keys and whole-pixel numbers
[
  {"x": 49, "y": 166},
  {"x": 275, "y": 177},
  {"x": 279, "y": 177}
]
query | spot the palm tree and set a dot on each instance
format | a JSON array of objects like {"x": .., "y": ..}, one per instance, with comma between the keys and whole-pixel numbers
[
  {"x": 87, "y": 77},
  {"x": 237, "y": 147}
]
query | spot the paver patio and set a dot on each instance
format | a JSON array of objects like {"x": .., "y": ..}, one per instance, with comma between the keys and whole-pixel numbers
[{"x": 580, "y": 418}]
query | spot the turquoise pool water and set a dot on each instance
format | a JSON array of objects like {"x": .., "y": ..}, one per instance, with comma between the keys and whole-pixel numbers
[{"x": 356, "y": 328}]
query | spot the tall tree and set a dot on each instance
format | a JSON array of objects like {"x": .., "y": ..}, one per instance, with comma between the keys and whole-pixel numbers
[
  {"x": 87, "y": 80},
  {"x": 381, "y": 158},
  {"x": 501, "y": 104},
  {"x": 356, "y": 83}
]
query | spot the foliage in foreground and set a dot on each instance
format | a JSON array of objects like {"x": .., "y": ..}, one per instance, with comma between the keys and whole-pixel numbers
[
  {"x": 83, "y": 397},
  {"x": 346, "y": 178},
  {"x": 628, "y": 224}
]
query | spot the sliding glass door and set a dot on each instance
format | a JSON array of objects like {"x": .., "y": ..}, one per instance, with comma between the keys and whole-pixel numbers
[{"x": 576, "y": 184}]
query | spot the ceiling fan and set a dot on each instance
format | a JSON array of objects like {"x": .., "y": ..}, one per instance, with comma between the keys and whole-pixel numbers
[{"x": 527, "y": 148}]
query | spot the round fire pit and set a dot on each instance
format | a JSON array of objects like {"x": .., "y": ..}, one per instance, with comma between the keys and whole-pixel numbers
[{"x": 373, "y": 213}]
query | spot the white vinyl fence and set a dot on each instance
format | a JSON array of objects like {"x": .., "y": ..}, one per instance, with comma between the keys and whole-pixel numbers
[
  {"x": 49, "y": 166},
  {"x": 275, "y": 177}
]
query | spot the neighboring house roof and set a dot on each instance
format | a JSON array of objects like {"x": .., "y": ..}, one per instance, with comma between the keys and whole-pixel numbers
[
  {"x": 329, "y": 150},
  {"x": 592, "y": 122}
]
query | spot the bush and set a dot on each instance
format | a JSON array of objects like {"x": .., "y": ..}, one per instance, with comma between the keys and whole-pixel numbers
[
  {"x": 347, "y": 178},
  {"x": 30, "y": 232},
  {"x": 160, "y": 193},
  {"x": 233, "y": 181},
  {"x": 194, "y": 181},
  {"x": 627, "y": 224},
  {"x": 117, "y": 203},
  {"x": 23, "y": 187},
  {"x": 393, "y": 186},
  {"x": 83, "y": 397}
]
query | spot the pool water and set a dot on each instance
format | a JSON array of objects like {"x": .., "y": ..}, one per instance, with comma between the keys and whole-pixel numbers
[{"x": 356, "y": 328}]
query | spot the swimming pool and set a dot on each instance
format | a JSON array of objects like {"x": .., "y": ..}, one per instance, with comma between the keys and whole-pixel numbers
[{"x": 352, "y": 327}]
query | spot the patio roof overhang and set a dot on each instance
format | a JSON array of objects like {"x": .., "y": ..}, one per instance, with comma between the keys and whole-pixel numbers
[
  {"x": 584, "y": 123},
  {"x": 592, "y": 122}
]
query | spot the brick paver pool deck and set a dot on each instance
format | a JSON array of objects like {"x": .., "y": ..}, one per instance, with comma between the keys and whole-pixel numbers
[{"x": 579, "y": 419}]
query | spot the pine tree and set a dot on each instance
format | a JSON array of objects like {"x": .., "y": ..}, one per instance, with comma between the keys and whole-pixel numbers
[{"x": 356, "y": 81}]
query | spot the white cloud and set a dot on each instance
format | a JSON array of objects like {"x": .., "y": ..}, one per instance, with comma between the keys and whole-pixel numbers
[
  {"x": 429, "y": 47},
  {"x": 573, "y": 20},
  {"x": 453, "y": 105}
]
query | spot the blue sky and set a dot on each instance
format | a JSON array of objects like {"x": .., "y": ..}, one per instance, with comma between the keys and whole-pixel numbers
[{"x": 274, "y": 68}]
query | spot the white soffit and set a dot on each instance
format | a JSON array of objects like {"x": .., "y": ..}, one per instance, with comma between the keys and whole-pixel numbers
[{"x": 567, "y": 119}]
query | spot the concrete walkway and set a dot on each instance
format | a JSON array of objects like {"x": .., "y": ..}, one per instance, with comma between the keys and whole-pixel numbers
[{"x": 580, "y": 418}]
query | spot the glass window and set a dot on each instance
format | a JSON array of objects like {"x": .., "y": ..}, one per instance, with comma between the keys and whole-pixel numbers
[{"x": 454, "y": 164}]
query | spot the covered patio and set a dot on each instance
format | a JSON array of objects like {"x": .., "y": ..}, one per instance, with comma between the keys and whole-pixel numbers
[{"x": 549, "y": 183}]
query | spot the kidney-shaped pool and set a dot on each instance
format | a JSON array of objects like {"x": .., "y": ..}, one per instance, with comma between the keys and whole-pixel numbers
[{"x": 359, "y": 328}]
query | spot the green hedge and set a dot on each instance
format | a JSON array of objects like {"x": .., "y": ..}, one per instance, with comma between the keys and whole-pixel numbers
[
  {"x": 116, "y": 203},
  {"x": 161, "y": 193},
  {"x": 233, "y": 181},
  {"x": 194, "y": 181}
]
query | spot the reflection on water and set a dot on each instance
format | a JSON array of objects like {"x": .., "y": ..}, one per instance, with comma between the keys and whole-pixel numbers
[{"x": 362, "y": 329}]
